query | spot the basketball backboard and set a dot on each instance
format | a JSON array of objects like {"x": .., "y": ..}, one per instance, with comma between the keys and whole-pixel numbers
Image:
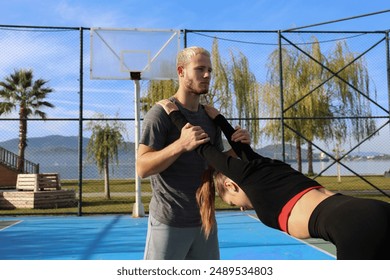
[{"x": 116, "y": 53}]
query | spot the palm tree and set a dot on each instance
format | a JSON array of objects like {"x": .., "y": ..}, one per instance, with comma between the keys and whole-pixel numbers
[
  {"x": 20, "y": 92},
  {"x": 103, "y": 146}
]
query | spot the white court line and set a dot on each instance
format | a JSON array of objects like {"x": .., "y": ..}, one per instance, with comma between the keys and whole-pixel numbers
[
  {"x": 300, "y": 240},
  {"x": 17, "y": 222}
]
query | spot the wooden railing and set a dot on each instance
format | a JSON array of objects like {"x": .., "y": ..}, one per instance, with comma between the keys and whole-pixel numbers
[{"x": 10, "y": 160}]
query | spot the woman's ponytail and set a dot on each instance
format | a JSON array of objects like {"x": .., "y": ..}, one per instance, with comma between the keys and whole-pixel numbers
[{"x": 205, "y": 196}]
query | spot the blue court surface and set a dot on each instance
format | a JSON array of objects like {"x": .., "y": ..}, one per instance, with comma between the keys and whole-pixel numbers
[{"x": 121, "y": 237}]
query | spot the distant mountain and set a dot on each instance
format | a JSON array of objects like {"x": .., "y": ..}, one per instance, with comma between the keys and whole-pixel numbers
[
  {"x": 276, "y": 151},
  {"x": 46, "y": 143},
  {"x": 60, "y": 154},
  {"x": 49, "y": 144},
  {"x": 272, "y": 151},
  {"x": 58, "y": 144}
]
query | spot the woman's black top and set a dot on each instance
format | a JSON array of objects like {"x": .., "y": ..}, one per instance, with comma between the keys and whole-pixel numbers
[{"x": 268, "y": 183}]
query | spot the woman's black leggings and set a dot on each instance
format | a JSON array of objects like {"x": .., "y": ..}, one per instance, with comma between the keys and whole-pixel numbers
[{"x": 360, "y": 228}]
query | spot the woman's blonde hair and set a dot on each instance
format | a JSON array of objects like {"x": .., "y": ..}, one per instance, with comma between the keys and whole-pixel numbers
[
  {"x": 205, "y": 196},
  {"x": 185, "y": 55}
]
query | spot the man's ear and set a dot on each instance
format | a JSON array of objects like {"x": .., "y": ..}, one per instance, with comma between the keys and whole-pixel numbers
[{"x": 180, "y": 71}]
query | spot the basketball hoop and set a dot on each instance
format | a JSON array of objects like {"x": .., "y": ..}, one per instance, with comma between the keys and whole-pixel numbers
[
  {"x": 135, "y": 75},
  {"x": 135, "y": 54}
]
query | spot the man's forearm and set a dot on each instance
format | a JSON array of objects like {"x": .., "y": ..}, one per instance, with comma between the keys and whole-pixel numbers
[{"x": 150, "y": 162}]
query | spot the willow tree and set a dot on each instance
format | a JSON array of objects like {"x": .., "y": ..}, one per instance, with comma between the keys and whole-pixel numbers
[
  {"x": 315, "y": 100},
  {"x": 303, "y": 99},
  {"x": 103, "y": 146},
  {"x": 231, "y": 82},
  {"x": 246, "y": 93},
  {"x": 20, "y": 92},
  {"x": 156, "y": 91},
  {"x": 351, "y": 94},
  {"x": 219, "y": 94},
  {"x": 343, "y": 87},
  {"x": 311, "y": 89},
  {"x": 276, "y": 104}
]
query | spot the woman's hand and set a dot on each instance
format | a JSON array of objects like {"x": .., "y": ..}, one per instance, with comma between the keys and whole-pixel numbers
[{"x": 168, "y": 106}]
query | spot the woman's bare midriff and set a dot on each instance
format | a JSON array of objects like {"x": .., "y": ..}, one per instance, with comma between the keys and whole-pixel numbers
[{"x": 298, "y": 222}]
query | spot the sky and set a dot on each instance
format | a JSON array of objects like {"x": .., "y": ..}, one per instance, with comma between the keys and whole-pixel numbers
[
  {"x": 202, "y": 14},
  {"x": 197, "y": 15}
]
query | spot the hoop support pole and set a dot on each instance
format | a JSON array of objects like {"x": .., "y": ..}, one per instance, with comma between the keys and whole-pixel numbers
[{"x": 138, "y": 208}]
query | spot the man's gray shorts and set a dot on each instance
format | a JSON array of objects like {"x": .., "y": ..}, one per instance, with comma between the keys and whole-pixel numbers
[{"x": 165, "y": 242}]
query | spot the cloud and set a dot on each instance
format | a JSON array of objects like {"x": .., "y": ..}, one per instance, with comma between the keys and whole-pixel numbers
[{"x": 87, "y": 14}]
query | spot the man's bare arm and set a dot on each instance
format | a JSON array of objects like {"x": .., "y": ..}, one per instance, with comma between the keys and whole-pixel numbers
[{"x": 150, "y": 161}]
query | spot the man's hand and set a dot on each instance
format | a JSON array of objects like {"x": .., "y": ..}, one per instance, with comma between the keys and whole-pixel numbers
[{"x": 191, "y": 137}]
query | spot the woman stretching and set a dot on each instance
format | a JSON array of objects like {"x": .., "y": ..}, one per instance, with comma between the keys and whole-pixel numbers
[{"x": 285, "y": 199}]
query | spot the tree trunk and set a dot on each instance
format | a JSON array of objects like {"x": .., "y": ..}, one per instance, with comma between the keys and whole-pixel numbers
[
  {"x": 299, "y": 154},
  {"x": 22, "y": 140},
  {"x": 310, "y": 170},
  {"x": 107, "y": 179}
]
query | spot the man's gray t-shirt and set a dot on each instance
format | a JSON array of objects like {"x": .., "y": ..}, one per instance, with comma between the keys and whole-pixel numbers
[{"x": 173, "y": 200}]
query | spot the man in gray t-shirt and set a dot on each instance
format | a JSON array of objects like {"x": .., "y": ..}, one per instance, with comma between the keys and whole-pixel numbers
[
  {"x": 166, "y": 155},
  {"x": 173, "y": 199}
]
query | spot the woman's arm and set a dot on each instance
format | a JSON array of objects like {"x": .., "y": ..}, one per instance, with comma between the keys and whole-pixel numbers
[
  {"x": 243, "y": 150},
  {"x": 234, "y": 168}
]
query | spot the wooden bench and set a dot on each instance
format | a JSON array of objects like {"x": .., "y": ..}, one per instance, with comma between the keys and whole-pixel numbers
[
  {"x": 38, "y": 200},
  {"x": 38, "y": 182}
]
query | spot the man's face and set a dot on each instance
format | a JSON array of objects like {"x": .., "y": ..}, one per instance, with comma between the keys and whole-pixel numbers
[{"x": 197, "y": 74}]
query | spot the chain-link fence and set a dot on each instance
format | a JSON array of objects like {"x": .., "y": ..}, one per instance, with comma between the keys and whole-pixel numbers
[
  {"x": 346, "y": 142},
  {"x": 61, "y": 56}
]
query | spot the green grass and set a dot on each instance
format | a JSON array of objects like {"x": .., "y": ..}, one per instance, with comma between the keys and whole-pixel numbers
[
  {"x": 330, "y": 182},
  {"x": 356, "y": 186},
  {"x": 97, "y": 186},
  {"x": 354, "y": 182},
  {"x": 124, "y": 204}
]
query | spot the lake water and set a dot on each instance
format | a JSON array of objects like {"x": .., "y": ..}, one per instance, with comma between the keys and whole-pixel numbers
[
  {"x": 363, "y": 167},
  {"x": 127, "y": 170}
]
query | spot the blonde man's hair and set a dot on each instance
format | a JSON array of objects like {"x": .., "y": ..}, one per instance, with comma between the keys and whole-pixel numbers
[{"x": 185, "y": 55}]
